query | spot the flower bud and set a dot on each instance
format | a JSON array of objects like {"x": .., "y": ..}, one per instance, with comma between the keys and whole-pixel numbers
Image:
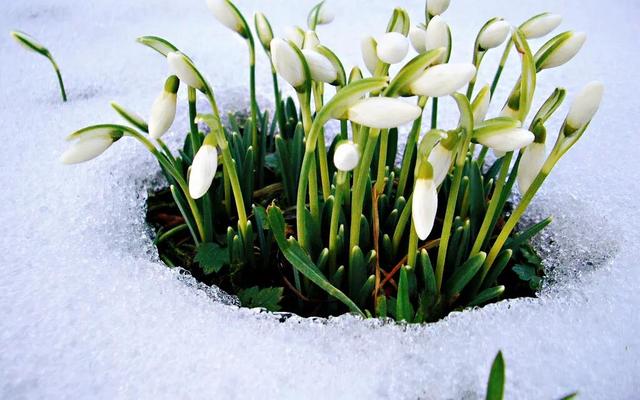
[
  {"x": 368, "y": 47},
  {"x": 584, "y": 106},
  {"x": 383, "y": 112},
  {"x": 480, "y": 105},
  {"x": 319, "y": 15},
  {"x": 417, "y": 38},
  {"x": 559, "y": 50},
  {"x": 540, "y": 25},
  {"x": 424, "y": 206},
  {"x": 437, "y": 35},
  {"x": 440, "y": 159},
  {"x": 443, "y": 79},
  {"x": 183, "y": 68},
  {"x": 322, "y": 70},
  {"x": 530, "y": 164},
  {"x": 311, "y": 40},
  {"x": 437, "y": 7},
  {"x": 505, "y": 140},
  {"x": 392, "y": 47},
  {"x": 346, "y": 156},
  {"x": 163, "y": 110},
  {"x": 287, "y": 62},
  {"x": 263, "y": 30},
  {"x": 228, "y": 15},
  {"x": 295, "y": 34},
  {"x": 494, "y": 34},
  {"x": 355, "y": 74},
  {"x": 29, "y": 42},
  {"x": 203, "y": 170},
  {"x": 89, "y": 144}
]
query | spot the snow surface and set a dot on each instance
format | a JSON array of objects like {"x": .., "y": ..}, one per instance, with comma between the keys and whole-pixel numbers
[{"x": 88, "y": 311}]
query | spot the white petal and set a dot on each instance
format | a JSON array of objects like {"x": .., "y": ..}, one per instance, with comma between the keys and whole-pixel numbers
[
  {"x": 417, "y": 38},
  {"x": 263, "y": 29},
  {"x": 311, "y": 40},
  {"x": 86, "y": 148},
  {"x": 203, "y": 169},
  {"x": 295, "y": 34},
  {"x": 443, "y": 80},
  {"x": 494, "y": 35},
  {"x": 437, "y": 34},
  {"x": 163, "y": 112},
  {"x": 179, "y": 66},
  {"x": 566, "y": 51},
  {"x": 368, "y": 47},
  {"x": 392, "y": 47},
  {"x": 383, "y": 112},
  {"x": 480, "y": 104},
  {"x": 346, "y": 156},
  {"x": 322, "y": 70},
  {"x": 585, "y": 105},
  {"x": 287, "y": 62},
  {"x": 541, "y": 25},
  {"x": 440, "y": 159},
  {"x": 325, "y": 15},
  {"x": 507, "y": 140},
  {"x": 530, "y": 164},
  {"x": 437, "y": 7},
  {"x": 225, "y": 14},
  {"x": 424, "y": 207}
]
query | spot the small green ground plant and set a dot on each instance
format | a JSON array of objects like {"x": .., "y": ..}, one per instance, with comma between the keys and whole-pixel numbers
[{"x": 272, "y": 211}]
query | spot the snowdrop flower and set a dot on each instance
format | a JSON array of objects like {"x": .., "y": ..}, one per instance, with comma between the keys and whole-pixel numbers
[
  {"x": 263, "y": 30},
  {"x": 29, "y": 42},
  {"x": 383, "y": 112},
  {"x": 437, "y": 35},
  {"x": 425, "y": 202},
  {"x": 203, "y": 168},
  {"x": 540, "y": 25},
  {"x": 355, "y": 74},
  {"x": 346, "y": 156},
  {"x": 320, "y": 15},
  {"x": 163, "y": 110},
  {"x": 368, "y": 47},
  {"x": 295, "y": 34},
  {"x": 504, "y": 139},
  {"x": 228, "y": 15},
  {"x": 322, "y": 70},
  {"x": 184, "y": 69},
  {"x": 584, "y": 106},
  {"x": 494, "y": 34},
  {"x": 480, "y": 105},
  {"x": 560, "y": 50},
  {"x": 437, "y": 7},
  {"x": 443, "y": 79},
  {"x": 417, "y": 38},
  {"x": 440, "y": 159},
  {"x": 311, "y": 40},
  {"x": 392, "y": 47},
  {"x": 89, "y": 145},
  {"x": 530, "y": 164},
  {"x": 287, "y": 62}
]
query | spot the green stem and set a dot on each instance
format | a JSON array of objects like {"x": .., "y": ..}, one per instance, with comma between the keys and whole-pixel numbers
[
  {"x": 434, "y": 113},
  {"x": 59, "y": 76},
  {"x": 503, "y": 61},
  {"x": 382, "y": 161},
  {"x": 409, "y": 148},
  {"x": 413, "y": 247},
  {"x": 322, "y": 148},
  {"x": 401, "y": 225},
  {"x": 335, "y": 218},
  {"x": 279, "y": 109},
  {"x": 254, "y": 103},
  {"x": 230, "y": 166},
  {"x": 193, "y": 134},
  {"x": 305, "y": 110},
  {"x": 477, "y": 60},
  {"x": 482, "y": 155}
]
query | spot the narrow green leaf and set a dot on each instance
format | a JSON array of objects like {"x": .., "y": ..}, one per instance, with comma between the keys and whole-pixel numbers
[
  {"x": 404, "y": 308},
  {"x": 486, "y": 296},
  {"x": 495, "y": 386},
  {"x": 457, "y": 282},
  {"x": 158, "y": 44}
]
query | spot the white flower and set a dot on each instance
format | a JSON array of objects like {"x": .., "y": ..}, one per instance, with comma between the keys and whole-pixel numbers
[
  {"x": 540, "y": 25},
  {"x": 346, "y": 156},
  {"x": 287, "y": 62},
  {"x": 263, "y": 30},
  {"x": 88, "y": 147},
  {"x": 311, "y": 40},
  {"x": 295, "y": 34},
  {"x": 383, "y": 112},
  {"x": 368, "y": 47},
  {"x": 322, "y": 70},
  {"x": 325, "y": 16},
  {"x": 437, "y": 35},
  {"x": 585, "y": 105},
  {"x": 424, "y": 207},
  {"x": 440, "y": 159},
  {"x": 203, "y": 169},
  {"x": 163, "y": 110},
  {"x": 437, "y": 7},
  {"x": 480, "y": 105},
  {"x": 443, "y": 79},
  {"x": 506, "y": 140},
  {"x": 530, "y": 164},
  {"x": 182, "y": 67},
  {"x": 565, "y": 51},
  {"x": 224, "y": 12},
  {"x": 392, "y": 47},
  {"x": 494, "y": 34},
  {"x": 417, "y": 38}
]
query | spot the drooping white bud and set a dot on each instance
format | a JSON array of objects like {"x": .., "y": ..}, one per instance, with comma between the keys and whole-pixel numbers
[
  {"x": 163, "y": 110},
  {"x": 383, "y": 112},
  {"x": 424, "y": 206},
  {"x": 295, "y": 34},
  {"x": 585, "y": 105},
  {"x": 392, "y": 47},
  {"x": 203, "y": 170},
  {"x": 227, "y": 15},
  {"x": 310, "y": 40},
  {"x": 263, "y": 29},
  {"x": 184, "y": 69},
  {"x": 440, "y": 159},
  {"x": 443, "y": 79},
  {"x": 322, "y": 70},
  {"x": 530, "y": 164},
  {"x": 368, "y": 46},
  {"x": 417, "y": 38},
  {"x": 87, "y": 147},
  {"x": 506, "y": 140},
  {"x": 540, "y": 25},
  {"x": 565, "y": 51},
  {"x": 437, "y": 35},
  {"x": 494, "y": 34},
  {"x": 325, "y": 15},
  {"x": 437, "y": 7},
  {"x": 346, "y": 156},
  {"x": 287, "y": 62},
  {"x": 480, "y": 105}
]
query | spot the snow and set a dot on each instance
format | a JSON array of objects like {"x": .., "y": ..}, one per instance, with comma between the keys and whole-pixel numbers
[{"x": 88, "y": 311}]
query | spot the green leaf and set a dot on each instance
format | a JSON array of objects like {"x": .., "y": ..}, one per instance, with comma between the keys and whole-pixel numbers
[
  {"x": 211, "y": 257},
  {"x": 487, "y": 295},
  {"x": 528, "y": 273},
  {"x": 463, "y": 275},
  {"x": 266, "y": 297},
  {"x": 495, "y": 387},
  {"x": 404, "y": 309}
]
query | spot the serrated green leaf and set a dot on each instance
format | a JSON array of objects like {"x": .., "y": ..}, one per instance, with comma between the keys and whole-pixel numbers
[
  {"x": 261, "y": 297},
  {"x": 211, "y": 257}
]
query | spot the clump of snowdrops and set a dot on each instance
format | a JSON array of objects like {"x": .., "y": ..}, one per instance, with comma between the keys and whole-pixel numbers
[{"x": 271, "y": 211}]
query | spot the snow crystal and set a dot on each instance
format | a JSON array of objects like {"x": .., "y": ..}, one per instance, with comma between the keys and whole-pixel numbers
[{"x": 88, "y": 310}]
